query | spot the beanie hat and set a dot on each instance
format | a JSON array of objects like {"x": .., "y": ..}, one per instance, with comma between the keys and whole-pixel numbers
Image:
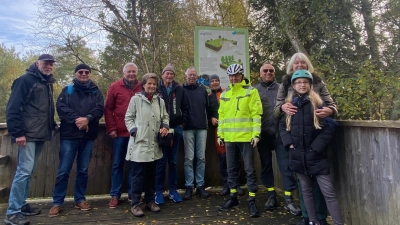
[
  {"x": 82, "y": 66},
  {"x": 169, "y": 67},
  {"x": 214, "y": 76}
]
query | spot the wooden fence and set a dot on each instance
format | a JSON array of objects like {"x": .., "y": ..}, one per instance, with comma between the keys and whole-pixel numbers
[{"x": 365, "y": 162}]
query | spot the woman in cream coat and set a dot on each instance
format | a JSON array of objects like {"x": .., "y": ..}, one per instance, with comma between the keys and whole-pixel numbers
[{"x": 145, "y": 117}]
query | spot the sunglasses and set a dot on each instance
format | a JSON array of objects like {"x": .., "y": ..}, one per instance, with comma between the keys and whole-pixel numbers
[
  {"x": 270, "y": 70},
  {"x": 81, "y": 72}
]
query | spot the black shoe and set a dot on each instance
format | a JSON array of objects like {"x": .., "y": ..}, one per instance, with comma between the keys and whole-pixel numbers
[
  {"x": 292, "y": 208},
  {"x": 271, "y": 203},
  {"x": 188, "y": 193},
  {"x": 225, "y": 191},
  {"x": 16, "y": 219},
  {"x": 232, "y": 202},
  {"x": 303, "y": 221},
  {"x": 253, "y": 210},
  {"x": 322, "y": 222},
  {"x": 26, "y": 210},
  {"x": 200, "y": 191},
  {"x": 239, "y": 191}
]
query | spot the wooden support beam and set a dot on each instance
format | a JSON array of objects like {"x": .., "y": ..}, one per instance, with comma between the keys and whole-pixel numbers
[{"x": 4, "y": 159}]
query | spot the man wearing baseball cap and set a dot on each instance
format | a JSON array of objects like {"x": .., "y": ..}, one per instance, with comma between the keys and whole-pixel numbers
[{"x": 29, "y": 114}]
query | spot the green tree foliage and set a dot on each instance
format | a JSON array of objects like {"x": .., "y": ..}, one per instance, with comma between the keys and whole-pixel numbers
[
  {"x": 352, "y": 44},
  {"x": 12, "y": 65}
]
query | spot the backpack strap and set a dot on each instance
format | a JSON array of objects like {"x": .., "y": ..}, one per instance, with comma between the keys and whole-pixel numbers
[{"x": 70, "y": 89}]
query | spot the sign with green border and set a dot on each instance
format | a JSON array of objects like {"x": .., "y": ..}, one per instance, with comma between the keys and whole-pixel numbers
[{"x": 217, "y": 47}]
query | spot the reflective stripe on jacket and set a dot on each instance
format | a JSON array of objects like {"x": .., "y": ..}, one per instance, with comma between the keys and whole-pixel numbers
[{"x": 239, "y": 113}]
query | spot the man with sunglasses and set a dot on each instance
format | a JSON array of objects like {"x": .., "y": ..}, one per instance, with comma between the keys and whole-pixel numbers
[
  {"x": 30, "y": 121},
  {"x": 268, "y": 88},
  {"x": 80, "y": 107}
]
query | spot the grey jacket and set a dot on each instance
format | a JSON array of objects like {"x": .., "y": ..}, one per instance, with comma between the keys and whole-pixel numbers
[
  {"x": 143, "y": 119},
  {"x": 268, "y": 99},
  {"x": 318, "y": 86}
]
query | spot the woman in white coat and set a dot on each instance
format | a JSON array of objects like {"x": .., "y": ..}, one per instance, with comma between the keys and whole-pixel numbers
[{"x": 145, "y": 117}]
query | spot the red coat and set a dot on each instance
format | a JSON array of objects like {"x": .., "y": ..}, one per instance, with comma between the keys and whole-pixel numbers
[{"x": 117, "y": 101}]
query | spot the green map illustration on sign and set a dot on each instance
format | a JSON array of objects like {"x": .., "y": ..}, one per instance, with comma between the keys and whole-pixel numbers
[{"x": 217, "y": 44}]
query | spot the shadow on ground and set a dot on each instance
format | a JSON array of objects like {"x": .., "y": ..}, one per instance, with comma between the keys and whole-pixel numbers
[{"x": 194, "y": 211}]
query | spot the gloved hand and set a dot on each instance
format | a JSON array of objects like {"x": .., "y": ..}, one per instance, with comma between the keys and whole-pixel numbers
[
  {"x": 254, "y": 141},
  {"x": 220, "y": 141}
]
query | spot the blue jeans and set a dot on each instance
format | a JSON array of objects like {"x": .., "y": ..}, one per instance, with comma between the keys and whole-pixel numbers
[
  {"x": 232, "y": 160},
  {"x": 119, "y": 154},
  {"x": 170, "y": 154},
  {"x": 68, "y": 150},
  {"x": 143, "y": 179},
  {"x": 268, "y": 143},
  {"x": 195, "y": 144},
  {"x": 27, "y": 159}
]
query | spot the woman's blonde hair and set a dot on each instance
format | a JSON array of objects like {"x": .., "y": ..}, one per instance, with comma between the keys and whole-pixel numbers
[
  {"x": 315, "y": 100},
  {"x": 301, "y": 56}
]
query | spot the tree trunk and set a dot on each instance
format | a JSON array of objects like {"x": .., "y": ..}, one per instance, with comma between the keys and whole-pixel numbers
[{"x": 369, "y": 23}]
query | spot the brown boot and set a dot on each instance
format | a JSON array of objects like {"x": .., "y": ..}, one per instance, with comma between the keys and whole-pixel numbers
[
  {"x": 152, "y": 206},
  {"x": 137, "y": 211},
  {"x": 54, "y": 211}
]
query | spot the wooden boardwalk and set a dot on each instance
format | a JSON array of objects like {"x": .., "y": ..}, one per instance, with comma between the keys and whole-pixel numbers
[{"x": 195, "y": 211}]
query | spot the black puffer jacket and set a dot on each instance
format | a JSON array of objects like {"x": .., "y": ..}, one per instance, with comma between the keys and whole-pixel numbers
[
  {"x": 309, "y": 155},
  {"x": 176, "y": 103},
  {"x": 30, "y": 108},
  {"x": 83, "y": 102}
]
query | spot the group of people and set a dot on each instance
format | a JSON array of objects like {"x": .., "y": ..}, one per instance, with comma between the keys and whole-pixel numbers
[{"x": 290, "y": 118}]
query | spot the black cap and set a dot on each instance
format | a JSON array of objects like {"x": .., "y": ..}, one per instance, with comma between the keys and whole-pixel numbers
[
  {"x": 46, "y": 57},
  {"x": 82, "y": 66}
]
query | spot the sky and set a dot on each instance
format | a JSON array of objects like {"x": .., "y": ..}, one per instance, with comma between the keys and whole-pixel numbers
[{"x": 16, "y": 20}]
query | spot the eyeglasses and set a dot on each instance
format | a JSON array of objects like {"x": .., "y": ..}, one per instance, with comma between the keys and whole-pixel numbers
[
  {"x": 270, "y": 70},
  {"x": 301, "y": 83},
  {"x": 81, "y": 72}
]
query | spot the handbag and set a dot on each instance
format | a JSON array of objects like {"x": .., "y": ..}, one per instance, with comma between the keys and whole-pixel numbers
[{"x": 167, "y": 140}]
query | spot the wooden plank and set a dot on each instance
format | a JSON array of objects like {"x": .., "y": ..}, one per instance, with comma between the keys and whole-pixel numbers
[{"x": 4, "y": 159}]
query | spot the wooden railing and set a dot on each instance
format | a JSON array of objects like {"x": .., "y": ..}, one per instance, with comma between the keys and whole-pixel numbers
[{"x": 365, "y": 163}]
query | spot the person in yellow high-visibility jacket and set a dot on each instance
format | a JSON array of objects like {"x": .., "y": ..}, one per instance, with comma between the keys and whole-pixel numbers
[{"x": 239, "y": 128}]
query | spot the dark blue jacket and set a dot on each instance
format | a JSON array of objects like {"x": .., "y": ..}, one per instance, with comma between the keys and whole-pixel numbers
[
  {"x": 198, "y": 103},
  {"x": 30, "y": 108},
  {"x": 176, "y": 103},
  {"x": 82, "y": 102},
  {"x": 309, "y": 155}
]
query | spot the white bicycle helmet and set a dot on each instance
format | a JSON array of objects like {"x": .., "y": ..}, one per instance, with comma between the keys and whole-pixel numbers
[{"x": 235, "y": 69}]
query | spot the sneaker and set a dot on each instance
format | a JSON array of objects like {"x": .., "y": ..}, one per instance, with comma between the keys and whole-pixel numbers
[
  {"x": 129, "y": 199},
  {"x": 159, "y": 199},
  {"x": 137, "y": 211},
  {"x": 253, "y": 210},
  {"x": 84, "y": 206},
  {"x": 239, "y": 191},
  {"x": 225, "y": 190},
  {"x": 292, "y": 208},
  {"x": 232, "y": 202},
  {"x": 200, "y": 191},
  {"x": 188, "y": 193},
  {"x": 113, "y": 202},
  {"x": 313, "y": 223},
  {"x": 54, "y": 211},
  {"x": 174, "y": 196},
  {"x": 26, "y": 210},
  {"x": 271, "y": 203},
  {"x": 16, "y": 219},
  {"x": 152, "y": 206},
  {"x": 303, "y": 221}
]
